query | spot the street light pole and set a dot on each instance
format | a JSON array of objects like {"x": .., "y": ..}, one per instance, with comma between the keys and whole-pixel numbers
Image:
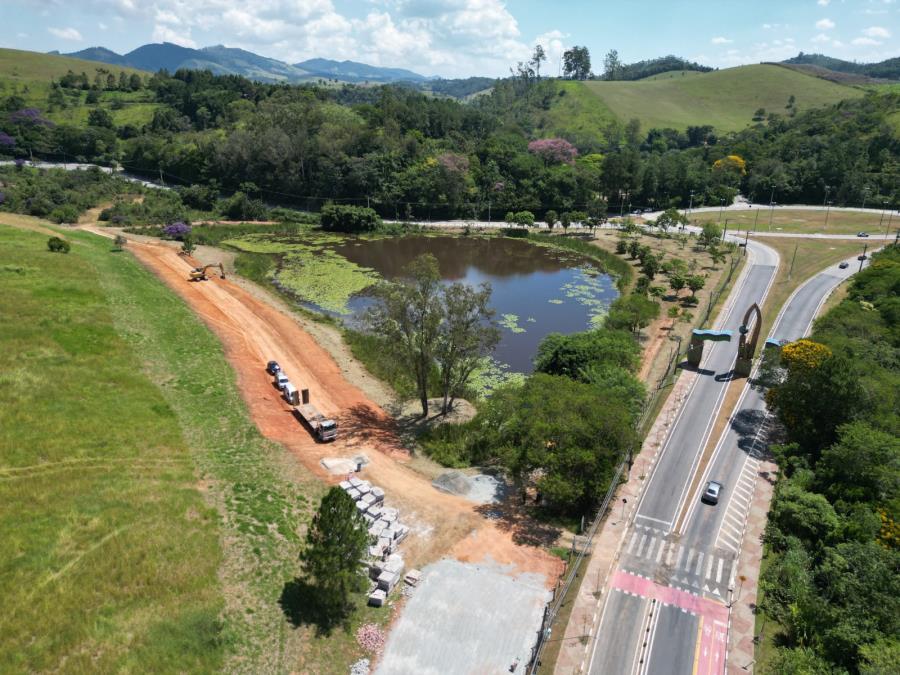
[
  {"x": 721, "y": 208},
  {"x": 827, "y": 211},
  {"x": 824, "y": 201},
  {"x": 862, "y": 258},
  {"x": 755, "y": 220},
  {"x": 771, "y": 214},
  {"x": 690, "y": 206}
]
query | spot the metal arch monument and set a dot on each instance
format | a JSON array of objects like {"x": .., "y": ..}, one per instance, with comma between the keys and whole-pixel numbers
[{"x": 746, "y": 346}]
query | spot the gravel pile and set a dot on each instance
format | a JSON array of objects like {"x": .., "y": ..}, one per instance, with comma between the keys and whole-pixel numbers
[
  {"x": 480, "y": 488},
  {"x": 370, "y": 637},
  {"x": 361, "y": 667}
]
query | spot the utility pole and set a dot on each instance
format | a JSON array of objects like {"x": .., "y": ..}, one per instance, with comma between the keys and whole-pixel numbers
[
  {"x": 883, "y": 209},
  {"x": 771, "y": 215},
  {"x": 690, "y": 206},
  {"x": 721, "y": 208},
  {"x": 824, "y": 201},
  {"x": 865, "y": 195},
  {"x": 161, "y": 181},
  {"x": 755, "y": 220},
  {"x": 862, "y": 258},
  {"x": 827, "y": 211},
  {"x": 790, "y": 271},
  {"x": 725, "y": 230}
]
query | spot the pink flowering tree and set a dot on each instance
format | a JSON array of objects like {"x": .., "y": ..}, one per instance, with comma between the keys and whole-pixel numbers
[{"x": 554, "y": 150}]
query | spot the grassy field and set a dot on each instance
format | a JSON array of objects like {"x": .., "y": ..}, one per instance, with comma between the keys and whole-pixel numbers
[
  {"x": 813, "y": 256},
  {"x": 576, "y": 113},
  {"x": 800, "y": 221},
  {"x": 29, "y": 74},
  {"x": 725, "y": 99},
  {"x": 672, "y": 74},
  {"x": 147, "y": 526}
]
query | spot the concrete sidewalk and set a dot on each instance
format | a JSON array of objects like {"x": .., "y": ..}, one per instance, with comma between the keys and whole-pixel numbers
[
  {"x": 575, "y": 650},
  {"x": 742, "y": 624}
]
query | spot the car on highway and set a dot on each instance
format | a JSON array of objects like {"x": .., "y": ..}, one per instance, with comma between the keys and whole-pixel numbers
[
  {"x": 711, "y": 492},
  {"x": 272, "y": 367},
  {"x": 844, "y": 265},
  {"x": 862, "y": 257},
  {"x": 862, "y": 234}
]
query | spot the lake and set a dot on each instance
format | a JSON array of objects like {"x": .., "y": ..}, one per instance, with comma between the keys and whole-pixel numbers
[{"x": 536, "y": 289}]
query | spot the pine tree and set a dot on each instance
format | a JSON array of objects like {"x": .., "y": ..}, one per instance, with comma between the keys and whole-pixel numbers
[{"x": 336, "y": 542}]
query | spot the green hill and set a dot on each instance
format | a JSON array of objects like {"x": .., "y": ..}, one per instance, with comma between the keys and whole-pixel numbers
[
  {"x": 724, "y": 99},
  {"x": 670, "y": 74},
  {"x": 29, "y": 75}
]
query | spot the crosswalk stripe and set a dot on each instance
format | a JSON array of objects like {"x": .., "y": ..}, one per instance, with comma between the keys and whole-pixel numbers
[
  {"x": 669, "y": 555},
  {"x": 681, "y": 552},
  {"x": 641, "y": 545},
  {"x": 709, "y": 564},
  {"x": 662, "y": 546},
  {"x": 633, "y": 540},
  {"x": 699, "y": 564},
  {"x": 648, "y": 554},
  {"x": 719, "y": 571}
]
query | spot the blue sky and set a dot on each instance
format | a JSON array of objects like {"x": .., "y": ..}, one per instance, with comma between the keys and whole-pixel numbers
[{"x": 457, "y": 38}]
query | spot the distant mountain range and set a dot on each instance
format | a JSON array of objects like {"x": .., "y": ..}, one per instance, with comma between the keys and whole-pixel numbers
[
  {"x": 884, "y": 70},
  {"x": 231, "y": 61}
]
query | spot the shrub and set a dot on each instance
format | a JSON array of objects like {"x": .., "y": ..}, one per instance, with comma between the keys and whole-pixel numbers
[
  {"x": 340, "y": 218},
  {"x": 57, "y": 245},
  {"x": 64, "y": 214}
]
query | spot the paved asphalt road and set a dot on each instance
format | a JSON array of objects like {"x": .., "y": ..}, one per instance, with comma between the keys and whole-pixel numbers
[{"x": 638, "y": 632}]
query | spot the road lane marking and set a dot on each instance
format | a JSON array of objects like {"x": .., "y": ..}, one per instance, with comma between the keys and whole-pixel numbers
[
  {"x": 631, "y": 545},
  {"x": 699, "y": 564},
  {"x": 709, "y": 566},
  {"x": 719, "y": 571},
  {"x": 662, "y": 546},
  {"x": 687, "y": 560},
  {"x": 656, "y": 520},
  {"x": 641, "y": 545}
]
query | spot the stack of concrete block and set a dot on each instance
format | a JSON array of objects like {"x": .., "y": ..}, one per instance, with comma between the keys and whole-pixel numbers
[
  {"x": 364, "y": 487},
  {"x": 377, "y": 598},
  {"x": 354, "y": 494},
  {"x": 377, "y": 528},
  {"x": 369, "y": 499},
  {"x": 413, "y": 577},
  {"x": 345, "y": 485},
  {"x": 375, "y": 511},
  {"x": 361, "y": 506},
  {"x": 389, "y": 514},
  {"x": 378, "y": 494}
]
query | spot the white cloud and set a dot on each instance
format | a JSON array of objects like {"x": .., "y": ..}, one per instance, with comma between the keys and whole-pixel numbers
[
  {"x": 721, "y": 41},
  {"x": 163, "y": 33},
  {"x": 102, "y": 26},
  {"x": 66, "y": 33},
  {"x": 823, "y": 3},
  {"x": 825, "y": 24},
  {"x": 864, "y": 42},
  {"x": 821, "y": 38},
  {"x": 877, "y": 32}
]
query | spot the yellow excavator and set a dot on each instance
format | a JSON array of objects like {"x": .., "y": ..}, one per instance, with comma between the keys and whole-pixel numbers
[{"x": 199, "y": 273}]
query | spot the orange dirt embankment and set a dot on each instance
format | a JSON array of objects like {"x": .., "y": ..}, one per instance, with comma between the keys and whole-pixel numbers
[{"x": 254, "y": 332}]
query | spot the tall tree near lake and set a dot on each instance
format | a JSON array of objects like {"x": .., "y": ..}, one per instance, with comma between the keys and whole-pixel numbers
[
  {"x": 336, "y": 541},
  {"x": 408, "y": 315},
  {"x": 467, "y": 334},
  {"x": 612, "y": 66}
]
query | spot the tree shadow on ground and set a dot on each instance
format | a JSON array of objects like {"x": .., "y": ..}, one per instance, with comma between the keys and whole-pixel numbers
[
  {"x": 686, "y": 365},
  {"x": 365, "y": 424},
  {"x": 303, "y": 605},
  {"x": 746, "y": 424},
  {"x": 512, "y": 516}
]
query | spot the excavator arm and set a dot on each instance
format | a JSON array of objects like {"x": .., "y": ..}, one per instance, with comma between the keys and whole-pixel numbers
[{"x": 199, "y": 273}]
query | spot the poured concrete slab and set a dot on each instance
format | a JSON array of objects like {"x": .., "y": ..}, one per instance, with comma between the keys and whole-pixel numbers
[{"x": 466, "y": 618}]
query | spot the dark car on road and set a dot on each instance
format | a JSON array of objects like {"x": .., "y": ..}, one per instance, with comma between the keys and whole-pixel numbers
[
  {"x": 272, "y": 367},
  {"x": 862, "y": 234},
  {"x": 844, "y": 265},
  {"x": 711, "y": 492}
]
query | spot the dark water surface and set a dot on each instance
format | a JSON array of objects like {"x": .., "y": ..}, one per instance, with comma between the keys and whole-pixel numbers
[{"x": 524, "y": 278}]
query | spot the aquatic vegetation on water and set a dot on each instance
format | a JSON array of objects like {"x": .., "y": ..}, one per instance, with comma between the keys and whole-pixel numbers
[
  {"x": 491, "y": 374},
  {"x": 511, "y": 323},
  {"x": 585, "y": 291},
  {"x": 556, "y": 301},
  {"x": 310, "y": 270}
]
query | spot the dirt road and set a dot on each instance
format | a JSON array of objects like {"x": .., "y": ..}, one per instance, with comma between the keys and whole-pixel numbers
[{"x": 253, "y": 332}]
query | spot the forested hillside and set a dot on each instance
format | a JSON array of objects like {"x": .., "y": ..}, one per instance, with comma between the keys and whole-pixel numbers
[{"x": 528, "y": 145}]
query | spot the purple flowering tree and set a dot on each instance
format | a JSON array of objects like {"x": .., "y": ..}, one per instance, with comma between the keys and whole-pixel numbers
[
  {"x": 7, "y": 142},
  {"x": 554, "y": 150},
  {"x": 177, "y": 231},
  {"x": 29, "y": 117}
]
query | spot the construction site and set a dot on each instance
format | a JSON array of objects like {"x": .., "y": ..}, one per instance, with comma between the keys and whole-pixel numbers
[{"x": 477, "y": 596}]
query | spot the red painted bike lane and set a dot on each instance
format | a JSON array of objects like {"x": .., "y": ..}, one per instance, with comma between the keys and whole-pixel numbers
[{"x": 713, "y": 631}]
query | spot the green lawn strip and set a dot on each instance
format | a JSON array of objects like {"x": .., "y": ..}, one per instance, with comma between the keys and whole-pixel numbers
[
  {"x": 110, "y": 553},
  {"x": 800, "y": 221}
]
